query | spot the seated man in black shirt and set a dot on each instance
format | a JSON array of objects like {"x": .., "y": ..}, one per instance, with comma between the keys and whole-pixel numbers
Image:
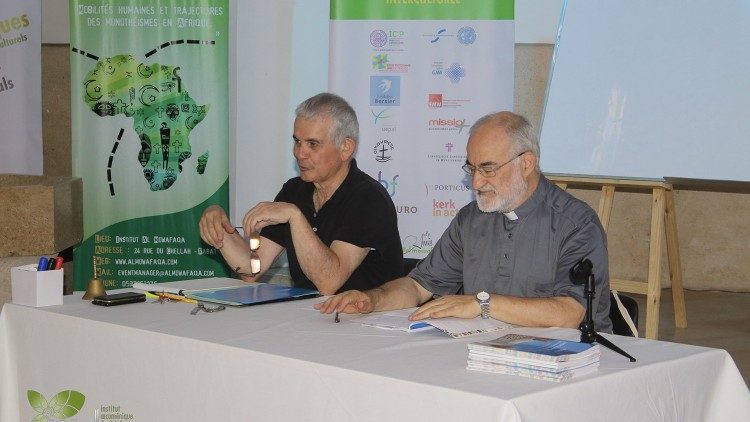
[{"x": 337, "y": 224}]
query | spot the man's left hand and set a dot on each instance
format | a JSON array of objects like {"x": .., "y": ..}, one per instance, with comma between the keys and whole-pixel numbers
[
  {"x": 267, "y": 214},
  {"x": 460, "y": 306}
]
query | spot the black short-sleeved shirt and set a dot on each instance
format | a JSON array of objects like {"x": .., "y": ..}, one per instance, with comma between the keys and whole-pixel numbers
[{"x": 361, "y": 213}]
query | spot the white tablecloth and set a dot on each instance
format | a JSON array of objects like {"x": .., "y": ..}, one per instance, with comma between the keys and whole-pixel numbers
[{"x": 285, "y": 361}]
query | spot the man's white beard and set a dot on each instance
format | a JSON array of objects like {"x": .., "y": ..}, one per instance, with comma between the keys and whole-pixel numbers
[{"x": 517, "y": 187}]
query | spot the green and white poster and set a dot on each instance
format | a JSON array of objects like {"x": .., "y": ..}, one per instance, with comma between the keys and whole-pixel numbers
[{"x": 150, "y": 136}]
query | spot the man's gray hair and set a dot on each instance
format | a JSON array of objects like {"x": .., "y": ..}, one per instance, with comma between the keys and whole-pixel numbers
[
  {"x": 344, "y": 120},
  {"x": 520, "y": 131}
]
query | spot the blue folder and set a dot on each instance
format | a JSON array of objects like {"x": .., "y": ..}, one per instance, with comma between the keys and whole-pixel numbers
[{"x": 254, "y": 294}]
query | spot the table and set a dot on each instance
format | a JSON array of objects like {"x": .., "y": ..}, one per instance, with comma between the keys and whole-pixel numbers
[{"x": 285, "y": 361}]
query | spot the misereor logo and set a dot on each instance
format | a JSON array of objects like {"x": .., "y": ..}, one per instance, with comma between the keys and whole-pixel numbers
[{"x": 62, "y": 405}]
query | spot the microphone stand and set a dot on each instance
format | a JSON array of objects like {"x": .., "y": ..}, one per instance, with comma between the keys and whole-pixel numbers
[{"x": 588, "y": 333}]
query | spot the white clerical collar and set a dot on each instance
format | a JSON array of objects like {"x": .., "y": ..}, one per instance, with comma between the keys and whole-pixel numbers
[{"x": 511, "y": 215}]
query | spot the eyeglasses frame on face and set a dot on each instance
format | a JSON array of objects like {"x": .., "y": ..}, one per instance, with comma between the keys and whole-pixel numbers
[
  {"x": 491, "y": 172},
  {"x": 253, "y": 239}
]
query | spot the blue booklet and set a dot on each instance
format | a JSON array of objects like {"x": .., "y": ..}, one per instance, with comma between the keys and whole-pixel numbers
[
  {"x": 531, "y": 348},
  {"x": 252, "y": 294}
]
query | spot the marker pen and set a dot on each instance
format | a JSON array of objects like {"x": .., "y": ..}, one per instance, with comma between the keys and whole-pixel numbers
[
  {"x": 51, "y": 264},
  {"x": 42, "y": 265},
  {"x": 58, "y": 263}
]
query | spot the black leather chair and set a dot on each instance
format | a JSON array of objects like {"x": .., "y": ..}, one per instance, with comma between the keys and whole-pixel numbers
[{"x": 619, "y": 326}]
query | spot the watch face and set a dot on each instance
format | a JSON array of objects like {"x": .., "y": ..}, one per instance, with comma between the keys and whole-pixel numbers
[{"x": 483, "y": 295}]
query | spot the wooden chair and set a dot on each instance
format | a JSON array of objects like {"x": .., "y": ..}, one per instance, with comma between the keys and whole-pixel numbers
[{"x": 662, "y": 219}]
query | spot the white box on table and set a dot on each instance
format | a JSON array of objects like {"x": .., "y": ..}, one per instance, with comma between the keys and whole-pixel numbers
[{"x": 36, "y": 288}]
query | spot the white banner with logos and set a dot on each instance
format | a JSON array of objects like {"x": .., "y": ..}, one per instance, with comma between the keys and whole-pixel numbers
[
  {"x": 21, "y": 87},
  {"x": 417, "y": 87}
]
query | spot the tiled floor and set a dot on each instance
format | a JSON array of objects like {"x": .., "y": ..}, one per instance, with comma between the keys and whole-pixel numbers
[{"x": 715, "y": 319}]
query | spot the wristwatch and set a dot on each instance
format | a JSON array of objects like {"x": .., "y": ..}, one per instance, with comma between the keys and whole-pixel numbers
[{"x": 484, "y": 303}]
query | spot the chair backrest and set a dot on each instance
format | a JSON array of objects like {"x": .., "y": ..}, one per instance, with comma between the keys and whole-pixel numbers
[
  {"x": 619, "y": 326},
  {"x": 409, "y": 264}
]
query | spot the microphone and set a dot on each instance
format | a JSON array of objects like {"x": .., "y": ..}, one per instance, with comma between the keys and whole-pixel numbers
[{"x": 580, "y": 272}]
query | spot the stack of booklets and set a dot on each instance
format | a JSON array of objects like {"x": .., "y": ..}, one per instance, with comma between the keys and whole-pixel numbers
[{"x": 534, "y": 357}]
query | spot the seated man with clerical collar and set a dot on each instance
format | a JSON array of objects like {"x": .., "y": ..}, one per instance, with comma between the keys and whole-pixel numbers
[
  {"x": 510, "y": 251},
  {"x": 337, "y": 224}
]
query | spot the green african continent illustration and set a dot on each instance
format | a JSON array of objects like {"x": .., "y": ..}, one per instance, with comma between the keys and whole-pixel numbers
[{"x": 162, "y": 110}]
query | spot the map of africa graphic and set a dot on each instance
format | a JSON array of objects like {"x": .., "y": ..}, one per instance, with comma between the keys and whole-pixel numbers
[{"x": 163, "y": 113}]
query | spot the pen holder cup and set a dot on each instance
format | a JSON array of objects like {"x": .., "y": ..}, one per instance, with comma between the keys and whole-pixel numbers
[{"x": 30, "y": 287}]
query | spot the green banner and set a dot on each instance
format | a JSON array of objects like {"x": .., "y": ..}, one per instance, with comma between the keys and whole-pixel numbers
[
  {"x": 150, "y": 136},
  {"x": 422, "y": 9}
]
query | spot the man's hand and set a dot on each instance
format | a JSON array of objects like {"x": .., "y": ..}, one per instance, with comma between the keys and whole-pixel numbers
[
  {"x": 460, "y": 306},
  {"x": 267, "y": 214},
  {"x": 214, "y": 225},
  {"x": 349, "y": 302}
]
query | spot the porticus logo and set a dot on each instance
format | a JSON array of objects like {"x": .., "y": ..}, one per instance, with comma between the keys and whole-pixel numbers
[{"x": 457, "y": 187}]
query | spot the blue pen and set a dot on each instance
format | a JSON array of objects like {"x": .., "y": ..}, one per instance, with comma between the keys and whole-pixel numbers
[{"x": 42, "y": 265}]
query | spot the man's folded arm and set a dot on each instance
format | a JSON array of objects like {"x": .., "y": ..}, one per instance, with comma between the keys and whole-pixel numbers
[{"x": 328, "y": 268}]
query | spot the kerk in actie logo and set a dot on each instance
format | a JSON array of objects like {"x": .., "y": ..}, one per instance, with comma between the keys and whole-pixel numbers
[{"x": 385, "y": 90}]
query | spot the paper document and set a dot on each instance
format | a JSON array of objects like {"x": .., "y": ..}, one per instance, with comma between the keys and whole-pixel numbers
[{"x": 455, "y": 327}]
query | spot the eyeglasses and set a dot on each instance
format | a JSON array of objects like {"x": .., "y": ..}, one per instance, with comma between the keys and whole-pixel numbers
[
  {"x": 208, "y": 309},
  {"x": 489, "y": 170},
  {"x": 253, "y": 239}
]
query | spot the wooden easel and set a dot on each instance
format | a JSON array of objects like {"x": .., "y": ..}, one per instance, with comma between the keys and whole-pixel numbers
[{"x": 662, "y": 211}]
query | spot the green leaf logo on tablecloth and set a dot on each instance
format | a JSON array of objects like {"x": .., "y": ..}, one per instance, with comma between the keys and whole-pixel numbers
[{"x": 63, "y": 405}]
